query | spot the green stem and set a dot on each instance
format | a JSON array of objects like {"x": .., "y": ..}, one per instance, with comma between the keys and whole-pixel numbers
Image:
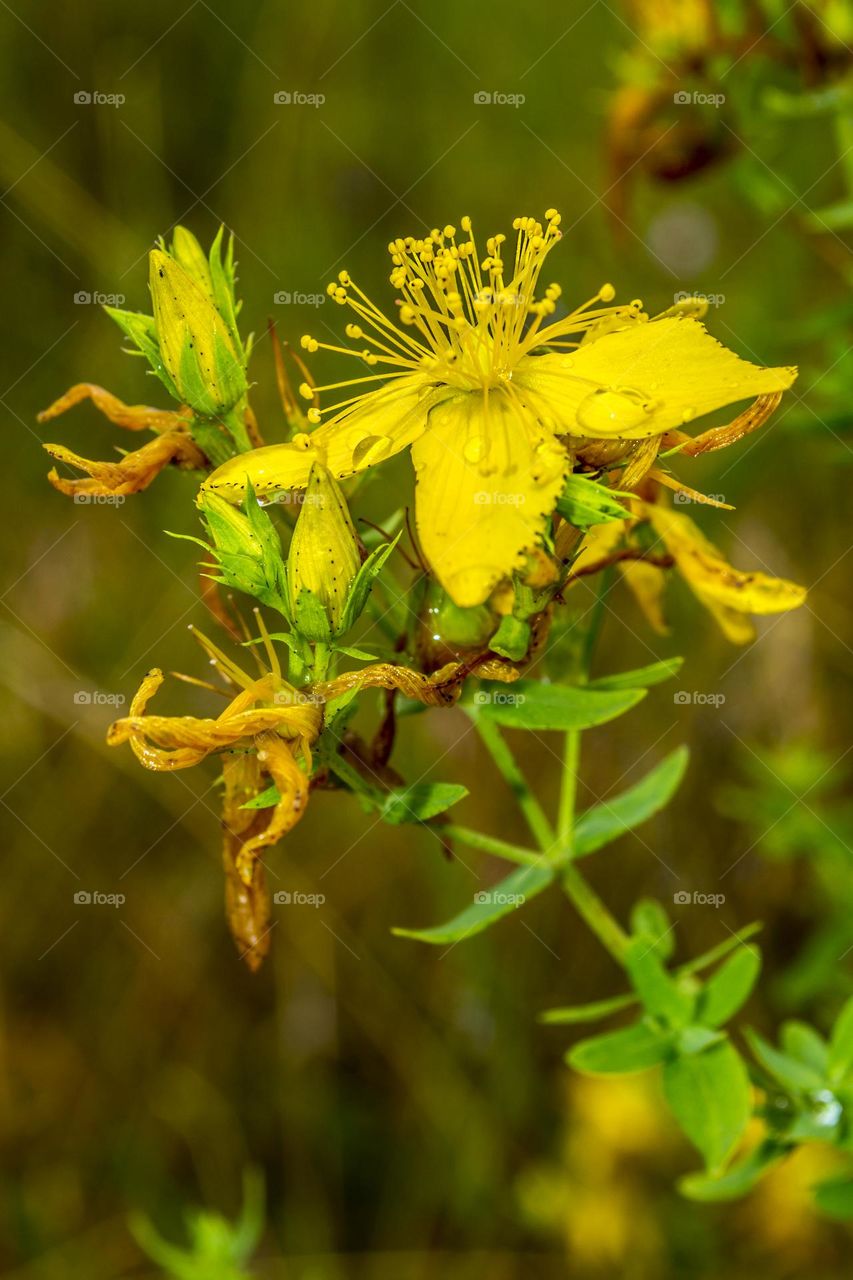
[
  {"x": 527, "y": 802},
  {"x": 490, "y": 844},
  {"x": 569, "y": 790},
  {"x": 588, "y": 904}
]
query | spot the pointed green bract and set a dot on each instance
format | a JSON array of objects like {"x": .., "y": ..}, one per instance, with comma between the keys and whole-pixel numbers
[{"x": 621, "y": 1052}]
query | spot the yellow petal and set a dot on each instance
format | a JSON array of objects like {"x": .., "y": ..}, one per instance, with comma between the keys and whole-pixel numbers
[
  {"x": 487, "y": 477},
  {"x": 381, "y": 425},
  {"x": 647, "y": 584},
  {"x": 132, "y": 473},
  {"x": 711, "y": 577},
  {"x": 642, "y": 381}
]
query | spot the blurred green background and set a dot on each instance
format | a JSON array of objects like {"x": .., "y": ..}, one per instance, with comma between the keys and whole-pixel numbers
[{"x": 409, "y": 1116}]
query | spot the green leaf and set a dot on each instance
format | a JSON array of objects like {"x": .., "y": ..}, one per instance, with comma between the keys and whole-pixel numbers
[
  {"x": 737, "y": 1180},
  {"x": 659, "y": 992},
  {"x": 592, "y": 1012},
  {"x": 585, "y": 502},
  {"x": 835, "y": 1197},
  {"x": 605, "y": 822},
  {"x": 729, "y": 987},
  {"x": 264, "y": 800},
  {"x": 634, "y": 1048},
  {"x": 421, "y": 801},
  {"x": 841, "y": 1044},
  {"x": 790, "y": 1072},
  {"x": 364, "y": 580},
  {"x": 360, "y": 655},
  {"x": 533, "y": 704},
  {"x": 640, "y": 677},
  {"x": 709, "y": 1096},
  {"x": 649, "y": 920},
  {"x": 512, "y": 638},
  {"x": 802, "y": 1042},
  {"x": 696, "y": 1039},
  {"x": 488, "y": 907}
]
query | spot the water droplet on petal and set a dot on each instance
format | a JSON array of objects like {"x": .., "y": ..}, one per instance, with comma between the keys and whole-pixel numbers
[
  {"x": 611, "y": 410},
  {"x": 474, "y": 449},
  {"x": 370, "y": 450}
]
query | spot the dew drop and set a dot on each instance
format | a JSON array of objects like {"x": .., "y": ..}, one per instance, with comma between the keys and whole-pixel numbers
[
  {"x": 370, "y": 450},
  {"x": 474, "y": 449},
  {"x": 611, "y": 410}
]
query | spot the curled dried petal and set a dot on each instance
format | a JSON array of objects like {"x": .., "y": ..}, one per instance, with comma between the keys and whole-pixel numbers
[{"x": 130, "y": 474}]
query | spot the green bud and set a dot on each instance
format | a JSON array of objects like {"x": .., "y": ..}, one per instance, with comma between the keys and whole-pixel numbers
[
  {"x": 246, "y": 547},
  {"x": 188, "y": 253},
  {"x": 324, "y": 558},
  {"x": 196, "y": 346}
]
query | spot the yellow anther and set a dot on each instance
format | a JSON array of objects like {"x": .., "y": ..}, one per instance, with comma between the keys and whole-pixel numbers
[
  {"x": 306, "y": 391},
  {"x": 607, "y": 293},
  {"x": 314, "y": 415}
]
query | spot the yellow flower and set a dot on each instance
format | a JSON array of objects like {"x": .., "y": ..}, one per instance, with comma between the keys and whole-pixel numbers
[{"x": 494, "y": 394}]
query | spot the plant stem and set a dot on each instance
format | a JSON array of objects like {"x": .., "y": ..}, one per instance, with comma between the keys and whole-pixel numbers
[
  {"x": 604, "y": 925},
  {"x": 568, "y": 790},
  {"x": 527, "y": 802},
  {"x": 587, "y": 902},
  {"x": 490, "y": 844}
]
